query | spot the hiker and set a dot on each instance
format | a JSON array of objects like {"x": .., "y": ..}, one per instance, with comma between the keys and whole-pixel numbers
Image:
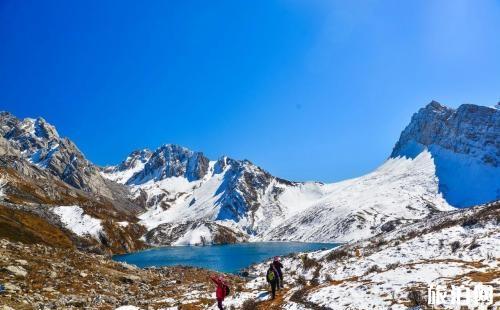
[
  {"x": 277, "y": 265},
  {"x": 221, "y": 291},
  {"x": 272, "y": 278}
]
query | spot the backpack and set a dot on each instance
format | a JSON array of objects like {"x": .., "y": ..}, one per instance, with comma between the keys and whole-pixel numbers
[
  {"x": 226, "y": 288},
  {"x": 270, "y": 275}
]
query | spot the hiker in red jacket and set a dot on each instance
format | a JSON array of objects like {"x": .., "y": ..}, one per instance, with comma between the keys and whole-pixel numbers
[{"x": 221, "y": 291}]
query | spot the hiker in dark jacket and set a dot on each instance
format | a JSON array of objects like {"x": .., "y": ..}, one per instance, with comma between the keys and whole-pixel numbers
[
  {"x": 277, "y": 265},
  {"x": 272, "y": 278},
  {"x": 220, "y": 291}
]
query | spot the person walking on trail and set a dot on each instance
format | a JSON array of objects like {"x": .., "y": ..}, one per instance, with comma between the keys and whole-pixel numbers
[
  {"x": 278, "y": 266},
  {"x": 221, "y": 291},
  {"x": 272, "y": 278}
]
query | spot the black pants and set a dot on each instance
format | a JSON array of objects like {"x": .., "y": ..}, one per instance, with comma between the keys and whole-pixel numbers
[
  {"x": 274, "y": 284},
  {"x": 219, "y": 304},
  {"x": 281, "y": 280}
]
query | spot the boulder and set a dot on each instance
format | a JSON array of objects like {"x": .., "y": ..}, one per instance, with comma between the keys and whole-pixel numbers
[{"x": 17, "y": 271}]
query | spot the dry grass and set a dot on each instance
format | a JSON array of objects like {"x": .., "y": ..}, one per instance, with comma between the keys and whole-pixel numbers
[
  {"x": 483, "y": 277},
  {"x": 104, "y": 277},
  {"x": 28, "y": 228}
]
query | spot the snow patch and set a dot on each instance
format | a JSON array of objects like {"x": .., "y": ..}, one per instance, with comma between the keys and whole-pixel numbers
[
  {"x": 3, "y": 185},
  {"x": 123, "y": 223},
  {"x": 74, "y": 219},
  {"x": 197, "y": 236}
]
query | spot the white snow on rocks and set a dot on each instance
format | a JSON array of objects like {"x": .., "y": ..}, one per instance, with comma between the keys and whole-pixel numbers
[
  {"x": 123, "y": 223},
  {"x": 401, "y": 189},
  {"x": 128, "y": 308},
  {"x": 3, "y": 185},
  {"x": 453, "y": 247},
  {"x": 199, "y": 235},
  {"x": 74, "y": 219}
]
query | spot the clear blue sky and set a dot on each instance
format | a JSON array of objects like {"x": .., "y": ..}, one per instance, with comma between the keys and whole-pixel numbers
[{"x": 309, "y": 90}]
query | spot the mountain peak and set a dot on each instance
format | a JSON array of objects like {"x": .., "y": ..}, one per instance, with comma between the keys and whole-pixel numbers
[
  {"x": 38, "y": 142},
  {"x": 172, "y": 160},
  {"x": 464, "y": 146},
  {"x": 435, "y": 105}
]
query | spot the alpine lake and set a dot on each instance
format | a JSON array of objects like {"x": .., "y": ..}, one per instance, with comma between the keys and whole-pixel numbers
[{"x": 229, "y": 258}]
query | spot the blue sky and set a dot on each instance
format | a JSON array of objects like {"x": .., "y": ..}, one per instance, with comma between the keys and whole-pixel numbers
[{"x": 309, "y": 90}]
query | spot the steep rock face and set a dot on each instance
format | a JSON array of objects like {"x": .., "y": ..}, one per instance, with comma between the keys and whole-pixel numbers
[
  {"x": 172, "y": 161},
  {"x": 246, "y": 190},
  {"x": 38, "y": 142},
  {"x": 469, "y": 130},
  {"x": 465, "y": 145}
]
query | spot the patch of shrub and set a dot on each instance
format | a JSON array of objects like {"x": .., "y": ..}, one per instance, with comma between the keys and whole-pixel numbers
[
  {"x": 249, "y": 304},
  {"x": 316, "y": 272},
  {"x": 389, "y": 226},
  {"x": 415, "y": 297},
  {"x": 308, "y": 262},
  {"x": 328, "y": 278},
  {"x": 299, "y": 295},
  {"x": 379, "y": 242},
  {"x": 315, "y": 279},
  {"x": 301, "y": 281},
  {"x": 392, "y": 266},
  {"x": 455, "y": 245},
  {"x": 474, "y": 245},
  {"x": 336, "y": 255},
  {"x": 470, "y": 221},
  {"x": 373, "y": 268}
]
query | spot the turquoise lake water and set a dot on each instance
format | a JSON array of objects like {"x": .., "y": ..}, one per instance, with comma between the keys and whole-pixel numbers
[{"x": 223, "y": 258}]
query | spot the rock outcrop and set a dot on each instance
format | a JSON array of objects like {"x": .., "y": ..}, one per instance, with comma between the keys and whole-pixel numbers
[
  {"x": 38, "y": 142},
  {"x": 171, "y": 160},
  {"x": 465, "y": 146}
]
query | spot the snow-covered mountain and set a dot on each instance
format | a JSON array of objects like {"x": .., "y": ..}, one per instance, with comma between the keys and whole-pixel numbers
[
  {"x": 400, "y": 191},
  {"x": 444, "y": 158},
  {"x": 441, "y": 150},
  {"x": 181, "y": 186},
  {"x": 133, "y": 163},
  {"x": 465, "y": 146}
]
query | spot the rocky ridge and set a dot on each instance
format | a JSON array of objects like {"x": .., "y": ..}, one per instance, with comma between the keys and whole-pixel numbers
[
  {"x": 38, "y": 142},
  {"x": 465, "y": 146}
]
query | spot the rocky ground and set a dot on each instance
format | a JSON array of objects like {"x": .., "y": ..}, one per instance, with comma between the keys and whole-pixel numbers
[{"x": 42, "y": 277}]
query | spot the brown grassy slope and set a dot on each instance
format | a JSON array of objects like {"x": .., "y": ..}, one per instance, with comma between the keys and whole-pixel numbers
[
  {"x": 28, "y": 188},
  {"x": 25, "y": 227}
]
